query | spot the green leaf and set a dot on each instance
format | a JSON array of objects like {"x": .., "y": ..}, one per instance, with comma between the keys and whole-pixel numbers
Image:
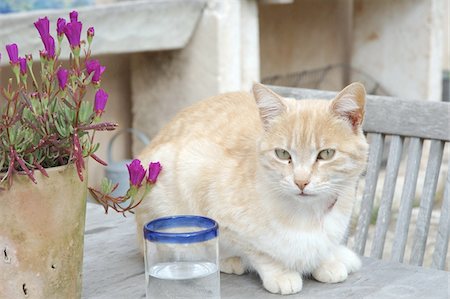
[
  {"x": 12, "y": 135},
  {"x": 85, "y": 113},
  {"x": 106, "y": 186},
  {"x": 88, "y": 80},
  {"x": 96, "y": 146},
  {"x": 61, "y": 126}
]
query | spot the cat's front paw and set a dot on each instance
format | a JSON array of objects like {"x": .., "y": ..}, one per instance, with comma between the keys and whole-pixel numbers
[
  {"x": 285, "y": 283},
  {"x": 350, "y": 259},
  {"x": 331, "y": 272},
  {"x": 232, "y": 265}
]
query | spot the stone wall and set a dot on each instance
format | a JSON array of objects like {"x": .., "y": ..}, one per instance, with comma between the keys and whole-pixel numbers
[
  {"x": 398, "y": 44},
  {"x": 305, "y": 35}
]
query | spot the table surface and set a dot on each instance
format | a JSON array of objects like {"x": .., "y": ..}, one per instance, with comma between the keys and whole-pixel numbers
[{"x": 114, "y": 268}]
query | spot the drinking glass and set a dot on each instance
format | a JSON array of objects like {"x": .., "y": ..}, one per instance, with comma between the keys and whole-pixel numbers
[{"x": 182, "y": 257}]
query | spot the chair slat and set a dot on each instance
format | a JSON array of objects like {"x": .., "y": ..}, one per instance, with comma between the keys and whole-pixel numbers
[
  {"x": 442, "y": 238},
  {"x": 373, "y": 168},
  {"x": 426, "y": 202},
  {"x": 348, "y": 230},
  {"x": 425, "y": 119},
  {"x": 384, "y": 212},
  {"x": 407, "y": 198}
]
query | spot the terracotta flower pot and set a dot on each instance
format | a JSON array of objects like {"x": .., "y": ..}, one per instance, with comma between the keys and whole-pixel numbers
[{"x": 42, "y": 235}]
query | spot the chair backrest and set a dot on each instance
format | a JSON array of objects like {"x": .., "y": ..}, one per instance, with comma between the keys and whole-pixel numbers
[{"x": 403, "y": 123}]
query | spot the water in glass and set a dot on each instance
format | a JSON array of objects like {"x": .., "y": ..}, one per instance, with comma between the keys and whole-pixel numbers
[{"x": 183, "y": 280}]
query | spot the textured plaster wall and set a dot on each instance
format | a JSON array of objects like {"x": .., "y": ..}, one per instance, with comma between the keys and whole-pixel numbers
[
  {"x": 401, "y": 44},
  {"x": 446, "y": 26},
  {"x": 305, "y": 35},
  {"x": 221, "y": 56}
]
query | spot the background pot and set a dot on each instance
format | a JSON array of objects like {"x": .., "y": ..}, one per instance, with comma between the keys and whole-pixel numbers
[{"x": 42, "y": 235}]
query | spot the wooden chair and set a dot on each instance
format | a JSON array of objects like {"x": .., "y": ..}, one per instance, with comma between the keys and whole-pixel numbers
[{"x": 407, "y": 123}]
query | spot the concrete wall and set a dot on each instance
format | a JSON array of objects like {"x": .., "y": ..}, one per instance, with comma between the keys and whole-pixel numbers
[
  {"x": 400, "y": 43},
  {"x": 221, "y": 56},
  {"x": 305, "y": 35},
  {"x": 446, "y": 35}
]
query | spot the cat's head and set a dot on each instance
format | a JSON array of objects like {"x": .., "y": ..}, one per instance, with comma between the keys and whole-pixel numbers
[{"x": 312, "y": 149}]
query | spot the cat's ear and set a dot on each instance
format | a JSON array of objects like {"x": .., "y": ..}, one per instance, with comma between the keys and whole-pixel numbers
[
  {"x": 270, "y": 104},
  {"x": 349, "y": 104}
]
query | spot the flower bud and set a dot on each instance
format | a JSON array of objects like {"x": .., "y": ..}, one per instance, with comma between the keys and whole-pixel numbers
[
  {"x": 42, "y": 55},
  {"x": 13, "y": 53},
  {"x": 153, "y": 171},
  {"x": 72, "y": 31},
  {"x": 43, "y": 27},
  {"x": 73, "y": 16},
  {"x": 136, "y": 172},
  {"x": 62, "y": 75},
  {"x": 90, "y": 34},
  {"x": 60, "y": 25},
  {"x": 101, "y": 97},
  {"x": 94, "y": 65},
  {"x": 23, "y": 65},
  {"x": 49, "y": 44}
]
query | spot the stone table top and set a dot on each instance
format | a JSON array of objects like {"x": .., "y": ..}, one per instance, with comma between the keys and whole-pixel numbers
[{"x": 114, "y": 268}]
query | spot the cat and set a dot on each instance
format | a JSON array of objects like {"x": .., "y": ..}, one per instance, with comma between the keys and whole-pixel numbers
[{"x": 278, "y": 174}]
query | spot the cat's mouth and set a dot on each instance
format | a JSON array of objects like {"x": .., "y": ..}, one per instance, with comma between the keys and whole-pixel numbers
[{"x": 303, "y": 194}]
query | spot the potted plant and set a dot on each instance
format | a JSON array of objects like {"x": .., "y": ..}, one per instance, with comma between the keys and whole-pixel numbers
[{"x": 47, "y": 131}]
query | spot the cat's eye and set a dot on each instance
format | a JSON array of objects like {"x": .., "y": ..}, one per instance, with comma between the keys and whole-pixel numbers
[
  {"x": 282, "y": 154},
  {"x": 326, "y": 154}
]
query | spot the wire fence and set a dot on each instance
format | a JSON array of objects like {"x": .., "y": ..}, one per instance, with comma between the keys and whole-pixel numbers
[{"x": 328, "y": 77}]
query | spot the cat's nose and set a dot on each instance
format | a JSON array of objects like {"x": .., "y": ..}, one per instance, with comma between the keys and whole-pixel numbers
[{"x": 302, "y": 184}]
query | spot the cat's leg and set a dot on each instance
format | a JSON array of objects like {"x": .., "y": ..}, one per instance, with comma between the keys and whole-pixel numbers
[
  {"x": 276, "y": 277},
  {"x": 232, "y": 265},
  {"x": 336, "y": 268},
  {"x": 349, "y": 258},
  {"x": 330, "y": 271}
]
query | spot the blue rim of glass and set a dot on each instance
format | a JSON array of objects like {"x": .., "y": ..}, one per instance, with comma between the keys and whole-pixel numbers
[{"x": 208, "y": 229}]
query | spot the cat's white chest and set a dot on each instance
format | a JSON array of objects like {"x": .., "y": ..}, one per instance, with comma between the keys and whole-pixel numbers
[{"x": 302, "y": 247}]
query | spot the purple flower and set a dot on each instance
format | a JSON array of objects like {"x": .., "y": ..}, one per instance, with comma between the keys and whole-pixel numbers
[
  {"x": 23, "y": 65},
  {"x": 13, "y": 53},
  {"x": 43, "y": 26},
  {"x": 90, "y": 32},
  {"x": 94, "y": 65},
  {"x": 101, "y": 97},
  {"x": 153, "y": 171},
  {"x": 49, "y": 44},
  {"x": 60, "y": 25},
  {"x": 62, "y": 75},
  {"x": 73, "y": 16},
  {"x": 136, "y": 172},
  {"x": 73, "y": 33}
]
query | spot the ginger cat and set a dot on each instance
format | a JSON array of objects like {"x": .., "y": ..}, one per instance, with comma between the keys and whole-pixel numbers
[{"x": 279, "y": 176}]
